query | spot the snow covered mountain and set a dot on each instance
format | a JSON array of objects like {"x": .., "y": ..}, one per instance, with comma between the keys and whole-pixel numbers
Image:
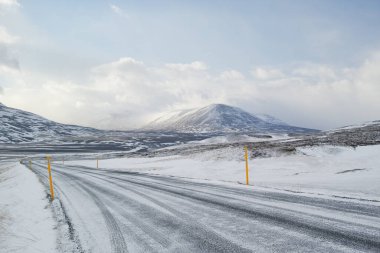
[
  {"x": 221, "y": 118},
  {"x": 270, "y": 119},
  {"x": 18, "y": 126}
]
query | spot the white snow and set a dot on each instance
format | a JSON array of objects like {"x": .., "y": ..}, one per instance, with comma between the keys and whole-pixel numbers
[
  {"x": 270, "y": 119},
  {"x": 26, "y": 221},
  {"x": 233, "y": 138},
  {"x": 215, "y": 118},
  {"x": 322, "y": 170}
]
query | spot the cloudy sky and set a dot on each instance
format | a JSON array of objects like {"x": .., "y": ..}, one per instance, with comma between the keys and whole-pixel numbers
[{"x": 118, "y": 64}]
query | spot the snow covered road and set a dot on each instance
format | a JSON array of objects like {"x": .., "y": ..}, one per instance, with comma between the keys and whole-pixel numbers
[{"x": 121, "y": 211}]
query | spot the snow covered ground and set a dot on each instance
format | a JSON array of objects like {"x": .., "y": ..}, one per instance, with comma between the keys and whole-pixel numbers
[
  {"x": 26, "y": 221},
  {"x": 29, "y": 223},
  {"x": 329, "y": 171},
  {"x": 121, "y": 211}
]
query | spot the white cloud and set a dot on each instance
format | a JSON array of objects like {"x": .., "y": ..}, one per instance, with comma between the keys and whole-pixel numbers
[
  {"x": 316, "y": 71},
  {"x": 232, "y": 75},
  {"x": 9, "y": 3},
  {"x": 5, "y": 37},
  {"x": 119, "y": 11},
  {"x": 8, "y": 60},
  {"x": 124, "y": 93},
  {"x": 197, "y": 65},
  {"x": 326, "y": 97},
  {"x": 267, "y": 73},
  {"x": 127, "y": 93}
]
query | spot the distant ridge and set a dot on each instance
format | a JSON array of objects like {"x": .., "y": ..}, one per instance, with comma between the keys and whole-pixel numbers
[
  {"x": 221, "y": 118},
  {"x": 17, "y": 126}
]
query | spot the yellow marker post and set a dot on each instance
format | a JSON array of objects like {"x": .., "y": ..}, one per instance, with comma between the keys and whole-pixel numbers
[
  {"x": 246, "y": 165},
  {"x": 30, "y": 164},
  {"x": 50, "y": 178},
  {"x": 97, "y": 163}
]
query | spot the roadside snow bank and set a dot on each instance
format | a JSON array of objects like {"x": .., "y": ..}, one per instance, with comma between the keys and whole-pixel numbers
[
  {"x": 322, "y": 170},
  {"x": 341, "y": 171},
  {"x": 26, "y": 222}
]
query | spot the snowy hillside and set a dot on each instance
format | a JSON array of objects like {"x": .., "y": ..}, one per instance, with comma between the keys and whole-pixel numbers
[
  {"x": 270, "y": 119},
  {"x": 220, "y": 118},
  {"x": 370, "y": 124},
  {"x": 18, "y": 126}
]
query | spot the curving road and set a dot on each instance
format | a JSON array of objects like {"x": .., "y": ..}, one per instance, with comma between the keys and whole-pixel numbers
[{"x": 118, "y": 211}]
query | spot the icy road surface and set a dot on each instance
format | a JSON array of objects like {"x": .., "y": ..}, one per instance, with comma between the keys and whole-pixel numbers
[{"x": 118, "y": 211}]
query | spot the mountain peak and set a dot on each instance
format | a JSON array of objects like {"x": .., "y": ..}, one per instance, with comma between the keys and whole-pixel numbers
[
  {"x": 219, "y": 118},
  {"x": 218, "y": 106}
]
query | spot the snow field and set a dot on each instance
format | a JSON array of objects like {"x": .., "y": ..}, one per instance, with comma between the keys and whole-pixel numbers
[
  {"x": 322, "y": 170},
  {"x": 26, "y": 221}
]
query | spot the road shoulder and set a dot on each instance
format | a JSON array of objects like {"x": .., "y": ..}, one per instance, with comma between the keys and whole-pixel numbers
[{"x": 26, "y": 219}]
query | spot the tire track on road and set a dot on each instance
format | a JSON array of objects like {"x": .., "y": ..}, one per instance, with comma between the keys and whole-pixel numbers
[{"x": 205, "y": 239}]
